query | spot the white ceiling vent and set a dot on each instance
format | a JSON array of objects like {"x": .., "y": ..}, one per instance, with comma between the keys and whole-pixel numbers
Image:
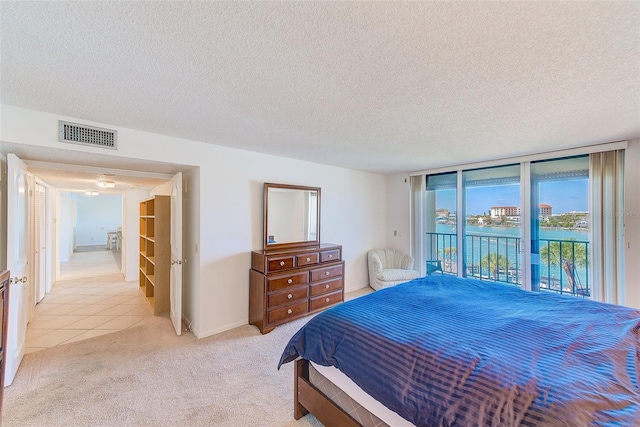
[{"x": 75, "y": 133}]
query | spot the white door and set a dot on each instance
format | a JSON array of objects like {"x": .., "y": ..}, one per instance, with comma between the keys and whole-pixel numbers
[
  {"x": 176, "y": 253},
  {"x": 18, "y": 189}
]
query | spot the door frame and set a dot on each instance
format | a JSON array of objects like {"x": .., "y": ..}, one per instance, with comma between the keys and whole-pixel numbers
[{"x": 46, "y": 254}]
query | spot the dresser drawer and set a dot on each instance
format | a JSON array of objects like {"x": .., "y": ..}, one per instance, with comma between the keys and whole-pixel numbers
[
  {"x": 307, "y": 259},
  {"x": 290, "y": 280},
  {"x": 326, "y": 273},
  {"x": 287, "y": 312},
  {"x": 280, "y": 263},
  {"x": 328, "y": 256},
  {"x": 325, "y": 287},
  {"x": 324, "y": 301},
  {"x": 288, "y": 297}
]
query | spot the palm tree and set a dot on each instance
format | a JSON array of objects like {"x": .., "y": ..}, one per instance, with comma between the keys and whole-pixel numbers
[
  {"x": 574, "y": 252},
  {"x": 494, "y": 263},
  {"x": 450, "y": 253}
]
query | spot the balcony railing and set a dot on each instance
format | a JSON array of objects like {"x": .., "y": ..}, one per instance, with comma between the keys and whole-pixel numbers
[{"x": 497, "y": 258}]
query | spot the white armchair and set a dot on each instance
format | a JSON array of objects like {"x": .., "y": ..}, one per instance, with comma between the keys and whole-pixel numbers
[{"x": 389, "y": 267}]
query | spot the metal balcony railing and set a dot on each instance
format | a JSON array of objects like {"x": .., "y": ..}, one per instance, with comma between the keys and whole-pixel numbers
[{"x": 497, "y": 258}]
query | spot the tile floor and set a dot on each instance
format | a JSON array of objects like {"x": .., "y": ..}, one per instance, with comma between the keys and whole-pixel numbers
[{"x": 90, "y": 299}]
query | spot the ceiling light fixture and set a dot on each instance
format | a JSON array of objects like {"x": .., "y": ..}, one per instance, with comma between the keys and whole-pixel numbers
[
  {"x": 106, "y": 184},
  {"x": 106, "y": 181},
  {"x": 91, "y": 193}
]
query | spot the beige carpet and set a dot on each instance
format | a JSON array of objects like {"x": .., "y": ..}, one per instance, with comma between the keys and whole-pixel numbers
[{"x": 148, "y": 376}]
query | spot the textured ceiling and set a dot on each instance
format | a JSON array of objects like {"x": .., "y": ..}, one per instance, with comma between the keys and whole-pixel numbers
[
  {"x": 377, "y": 86},
  {"x": 84, "y": 180}
]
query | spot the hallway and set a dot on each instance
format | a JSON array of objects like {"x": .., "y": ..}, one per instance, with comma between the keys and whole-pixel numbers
[{"x": 90, "y": 299}]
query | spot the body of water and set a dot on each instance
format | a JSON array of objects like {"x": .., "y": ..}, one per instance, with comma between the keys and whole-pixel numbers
[{"x": 545, "y": 233}]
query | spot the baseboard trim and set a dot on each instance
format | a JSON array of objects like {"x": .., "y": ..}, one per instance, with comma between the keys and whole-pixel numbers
[{"x": 204, "y": 334}]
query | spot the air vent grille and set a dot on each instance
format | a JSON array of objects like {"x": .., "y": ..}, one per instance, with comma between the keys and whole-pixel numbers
[{"x": 75, "y": 133}]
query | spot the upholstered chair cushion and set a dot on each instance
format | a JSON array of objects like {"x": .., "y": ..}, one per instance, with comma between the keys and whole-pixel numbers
[{"x": 396, "y": 274}]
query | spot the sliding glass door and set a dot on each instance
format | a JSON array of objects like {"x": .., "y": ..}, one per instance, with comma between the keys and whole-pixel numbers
[
  {"x": 492, "y": 224},
  {"x": 441, "y": 221},
  {"x": 524, "y": 224},
  {"x": 560, "y": 222}
]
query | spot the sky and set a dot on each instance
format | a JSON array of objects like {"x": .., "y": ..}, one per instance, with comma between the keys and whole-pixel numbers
[{"x": 562, "y": 196}]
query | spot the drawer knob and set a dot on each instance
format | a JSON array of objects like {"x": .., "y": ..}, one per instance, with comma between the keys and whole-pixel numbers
[
  {"x": 327, "y": 300},
  {"x": 308, "y": 259},
  {"x": 326, "y": 286},
  {"x": 326, "y": 273},
  {"x": 330, "y": 256},
  {"x": 289, "y": 311},
  {"x": 289, "y": 296},
  {"x": 290, "y": 281},
  {"x": 281, "y": 263}
]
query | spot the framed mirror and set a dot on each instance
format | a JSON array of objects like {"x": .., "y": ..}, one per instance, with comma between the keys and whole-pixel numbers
[{"x": 291, "y": 215}]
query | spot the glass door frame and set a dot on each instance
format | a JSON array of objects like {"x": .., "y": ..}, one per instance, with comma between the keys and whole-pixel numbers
[
  {"x": 526, "y": 245},
  {"x": 525, "y": 194}
]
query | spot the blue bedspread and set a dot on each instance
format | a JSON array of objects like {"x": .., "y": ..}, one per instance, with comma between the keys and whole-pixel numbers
[{"x": 445, "y": 351}]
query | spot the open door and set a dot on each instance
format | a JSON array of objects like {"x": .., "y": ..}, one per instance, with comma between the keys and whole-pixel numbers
[
  {"x": 176, "y": 253},
  {"x": 18, "y": 191}
]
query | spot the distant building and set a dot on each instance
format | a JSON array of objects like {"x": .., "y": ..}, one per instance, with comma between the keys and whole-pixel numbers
[
  {"x": 545, "y": 210},
  {"x": 500, "y": 211},
  {"x": 514, "y": 211},
  {"x": 442, "y": 213}
]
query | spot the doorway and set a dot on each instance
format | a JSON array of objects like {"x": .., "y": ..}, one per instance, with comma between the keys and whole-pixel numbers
[
  {"x": 95, "y": 224},
  {"x": 133, "y": 186},
  {"x": 90, "y": 296}
]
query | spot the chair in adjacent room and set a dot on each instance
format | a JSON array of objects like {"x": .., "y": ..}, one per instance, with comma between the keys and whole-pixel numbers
[
  {"x": 112, "y": 240},
  {"x": 389, "y": 267},
  {"x": 434, "y": 265}
]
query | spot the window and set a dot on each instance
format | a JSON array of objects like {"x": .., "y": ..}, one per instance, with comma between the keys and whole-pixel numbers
[{"x": 544, "y": 224}]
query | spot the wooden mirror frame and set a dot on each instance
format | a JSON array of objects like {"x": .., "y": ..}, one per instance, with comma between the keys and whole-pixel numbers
[{"x": 289, "y": 244}]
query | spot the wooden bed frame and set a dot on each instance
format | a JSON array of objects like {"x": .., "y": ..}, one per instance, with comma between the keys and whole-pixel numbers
[{"x": 308, "y": 399}]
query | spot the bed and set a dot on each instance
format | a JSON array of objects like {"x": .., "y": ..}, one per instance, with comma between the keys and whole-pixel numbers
[{"x": 447, "y": 351}]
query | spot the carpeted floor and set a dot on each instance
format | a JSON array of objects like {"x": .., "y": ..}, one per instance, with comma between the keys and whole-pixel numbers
[{"x": 148, "y": 376}]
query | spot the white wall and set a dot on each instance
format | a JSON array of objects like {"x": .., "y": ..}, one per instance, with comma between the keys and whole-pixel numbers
[
  {"x": 3, "y": 213},
  {"x": 398, "y": 227},
  {"x": 95, "y": 216},
  {"x": 398, "y": 197},
  {"x": 228, "y": 224},
  {"x": 64, "y": 221},
  {"x": 161, "y": 190},
  {"x": 352, "y": 215}
]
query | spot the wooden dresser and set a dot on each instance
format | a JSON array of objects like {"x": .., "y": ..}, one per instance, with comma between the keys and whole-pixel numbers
[{"x": 286, "y": 284}]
